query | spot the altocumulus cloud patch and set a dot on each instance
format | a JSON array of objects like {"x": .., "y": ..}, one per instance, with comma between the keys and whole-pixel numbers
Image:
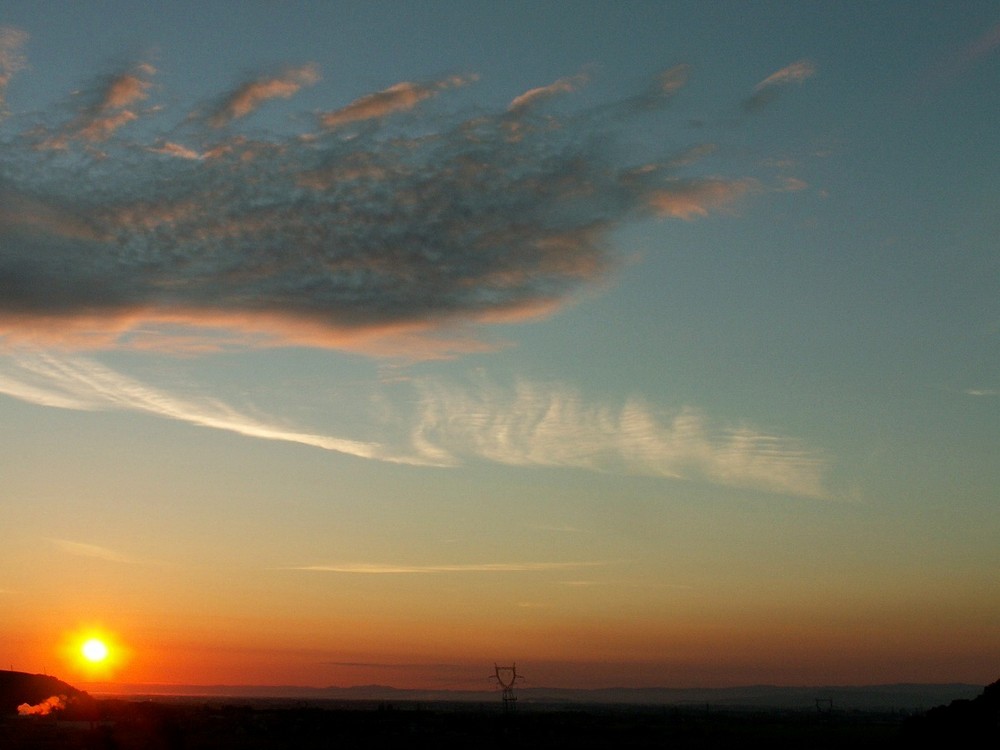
[{"x": 389, "y": 224}]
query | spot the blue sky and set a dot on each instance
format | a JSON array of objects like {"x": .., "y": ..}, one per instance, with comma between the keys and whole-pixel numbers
[{"x": 665, "y": 333}]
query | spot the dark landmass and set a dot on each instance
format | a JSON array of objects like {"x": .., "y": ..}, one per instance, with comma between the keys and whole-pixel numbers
[
  {"x": 902, "y": 697},
  {"x": 29, "y": 692},
  {"x": 335, "y": 721},
  {"x": 961, "y": 721}
]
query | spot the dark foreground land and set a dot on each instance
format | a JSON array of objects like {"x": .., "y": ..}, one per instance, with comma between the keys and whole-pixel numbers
[
  {"x": 173, "y": 723},
  {"x": 128, "y": 725}
]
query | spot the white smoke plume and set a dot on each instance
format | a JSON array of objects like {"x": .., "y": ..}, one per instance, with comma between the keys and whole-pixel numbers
[{"x": 47, "y": 706}]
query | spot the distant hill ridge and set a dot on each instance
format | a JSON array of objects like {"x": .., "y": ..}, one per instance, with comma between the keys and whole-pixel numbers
[{"x": 869, "y": 697}]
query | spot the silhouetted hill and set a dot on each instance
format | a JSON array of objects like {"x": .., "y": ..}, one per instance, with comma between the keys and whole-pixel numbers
[
  {"x": 963, "y": 720},
  {"x": 910, "y": 698},
  {"x": 653, "y": 718},
  {"x": 22, "y": 688}
]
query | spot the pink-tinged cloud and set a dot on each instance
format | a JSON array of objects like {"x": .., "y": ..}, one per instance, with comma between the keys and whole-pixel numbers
[
  {"x": 127, "y": 89},
  {"x": 169, "y": 148},
  {"x": 101, "y": 128},
  {"x": 797, "y": 72},
  {"x": 945, "y": 71},
  {"x": 12, "y": 42},
  {"x": 405, "y": 246},
  {"x": 697, "y": 198},
  {"x": 109, "y": 108},
  {"x": 248, "y": 97},
  {"x": 112, "y": 109},
  {"x": 793, "y": 185},
  {"x": 767, "y": 90},
  {"x": 673, "y": 79},
  {"x": 399, "y": 97},
  {"x": 533, "y": 96}
]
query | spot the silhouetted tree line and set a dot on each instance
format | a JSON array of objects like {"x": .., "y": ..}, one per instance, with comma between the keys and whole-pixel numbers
[{"x": 122, "y": 724}]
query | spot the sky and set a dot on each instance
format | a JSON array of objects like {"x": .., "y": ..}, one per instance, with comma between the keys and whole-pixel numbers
[{"x": 637, "y": 344}]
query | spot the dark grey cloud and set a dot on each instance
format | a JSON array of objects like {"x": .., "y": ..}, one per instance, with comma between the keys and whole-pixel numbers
[{"x": 384, "y": 222}]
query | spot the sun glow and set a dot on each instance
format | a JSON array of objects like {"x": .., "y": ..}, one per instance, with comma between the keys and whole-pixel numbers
[
  {"x": 94, "y": 650},
  {"x": 94, "y": 653}
]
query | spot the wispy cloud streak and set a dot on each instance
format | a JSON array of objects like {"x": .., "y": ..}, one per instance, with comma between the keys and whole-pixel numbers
[
  {"x": 388, "y": 569},
  {"x": 765, "y": 91},
  {"x": 400, "y": 97},
  {"x": 530, "y": 425},
  {"x": 533, "y": 96},
  {"x": 982, "y": 392},
  {"x": 90, "y": 550},
  {"x": 77, "y": 383},
  {"x": 797, "y": 72},
  {"x": 552, "y": 425}
]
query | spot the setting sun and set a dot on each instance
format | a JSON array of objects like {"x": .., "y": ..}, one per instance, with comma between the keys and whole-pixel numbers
[{"x": 94, "y": 650}]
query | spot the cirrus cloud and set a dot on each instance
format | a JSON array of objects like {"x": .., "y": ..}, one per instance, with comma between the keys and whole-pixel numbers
[{"x": 430, "y": 422}]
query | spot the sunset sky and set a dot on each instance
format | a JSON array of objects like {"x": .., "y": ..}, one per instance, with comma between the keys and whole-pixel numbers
[{"x": 643, "y": 343}]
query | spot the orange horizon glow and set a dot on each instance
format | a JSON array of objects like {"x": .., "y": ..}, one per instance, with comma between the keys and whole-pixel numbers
[{"x": 694, "y": 657}]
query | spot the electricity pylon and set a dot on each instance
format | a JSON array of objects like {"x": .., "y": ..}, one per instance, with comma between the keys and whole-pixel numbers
[{"x": 505, "y": 677}]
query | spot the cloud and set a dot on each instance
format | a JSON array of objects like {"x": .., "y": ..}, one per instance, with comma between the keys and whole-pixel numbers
[
  {"x": 797, "y": 72},
  {"x": 108, "y": 106},
  {"x": 90, "y": 550},
  {"x": 425, "y": 422},
  {"x": 392, "y": 665},
  {"x": 765, "y": 91},
  {"x": 249, "y": 96},
  {"x": 169, "y": 148},
  {"x": 659, "y": 92},
  {"x": 399, "y": 97},
  {"x": 12, "y": 58},
  {"x": 405, "y": 237},
  {"x": 982, "y": 392},
  {"x": 533, "y": 96},
  {"x": 793, "y": 185},
  {"x": 946, "y": 70},
  {"x": 671, "y": 81},
  {"x": 690, "y": 199},
  {"x": 77, "y": 383},
  {"x": 552, "y": 425},
  {"x": 388, "y": 569}
]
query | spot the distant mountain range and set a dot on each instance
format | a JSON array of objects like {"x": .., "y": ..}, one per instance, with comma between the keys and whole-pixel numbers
[
  {"x": 20, "y": 688},
  {"x": 899, "y": 697}
]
